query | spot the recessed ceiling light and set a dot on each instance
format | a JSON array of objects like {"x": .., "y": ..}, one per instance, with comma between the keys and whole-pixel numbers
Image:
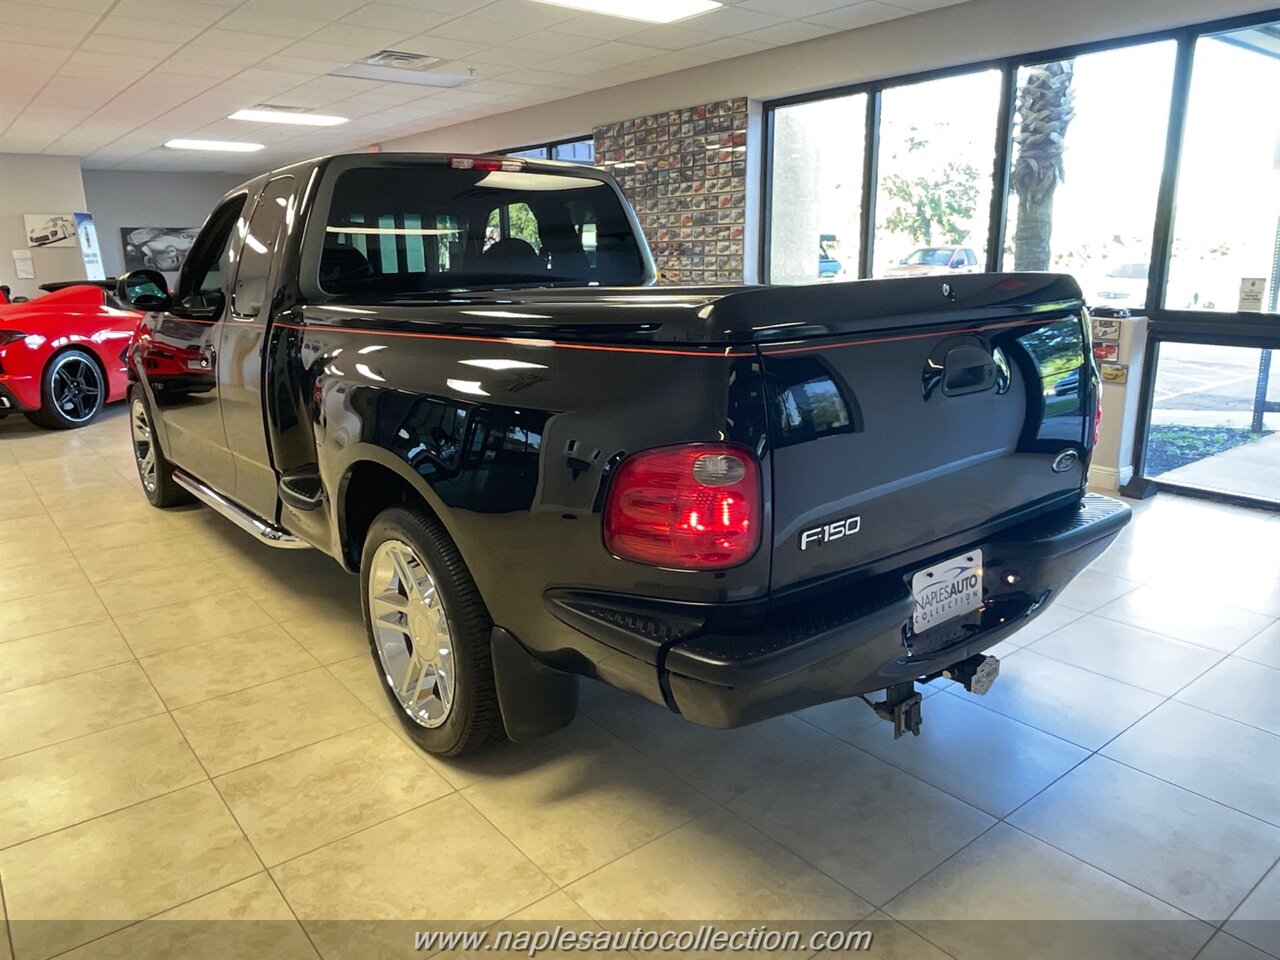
[
  {"x": 651, "y": 11},
  {"x": 284, "y": 115},
  {"x": 228, "y": 146}
]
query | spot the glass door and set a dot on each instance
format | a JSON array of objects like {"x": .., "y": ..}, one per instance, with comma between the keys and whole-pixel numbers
[{"x": 1212, "y": 389}]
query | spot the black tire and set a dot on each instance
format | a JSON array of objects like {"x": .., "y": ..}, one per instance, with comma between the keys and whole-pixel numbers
[
  {"x": 473, "y": 718},
  {"x": 161, "y": 489},
  {"x": 73, "y": 391}
]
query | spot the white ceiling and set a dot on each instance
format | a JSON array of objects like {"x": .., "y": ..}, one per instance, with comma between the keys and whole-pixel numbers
[{"x": 111, "y": 80}]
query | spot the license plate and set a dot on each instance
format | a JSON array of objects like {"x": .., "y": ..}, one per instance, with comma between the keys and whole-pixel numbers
[{"x": 947, "y": 590}]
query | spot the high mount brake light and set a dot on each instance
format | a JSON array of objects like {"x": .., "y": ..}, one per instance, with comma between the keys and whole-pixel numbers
[
  {"x": 486, "y": 164},
  {"x": 693, "y": 507}
]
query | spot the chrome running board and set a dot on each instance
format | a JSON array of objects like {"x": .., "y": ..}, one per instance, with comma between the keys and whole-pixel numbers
[{"x": 264, "y": 532}]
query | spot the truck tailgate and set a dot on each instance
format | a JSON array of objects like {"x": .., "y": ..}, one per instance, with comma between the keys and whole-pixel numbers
[{"x": 887, "y": 440}]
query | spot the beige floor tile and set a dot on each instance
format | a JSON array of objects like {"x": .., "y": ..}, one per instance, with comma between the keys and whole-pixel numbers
[
  {"x": 191, "y": 621},
  {"x": 52, "y": 788},
  {"x": 1239, "y": 690},
  {"x": 159, "y": 525},
  {"x": 49, "y": 550},
  {"x": 215, "y": 668},
  {"x": 248, "y": 919},
  {"x": 847, "y": 718},
  {"x": 458, "y": 772},
  {"x": 49, "y": 656},
  {"x": 584, "y": 803},
  {"x": 27, "y": 528},
  {"x": 477, "y": 877},
  {"x": 721, "y": 763},
  {"x": 300, "y": 801},
  {"x": 1221, "y": 759},
  {"x": 1084, "y": 708},
  {"x": 890, "y": 940},
  {"x": 1223, "y": 946},
  {"x": 70, "y": 707},
  {"x": 30, "y": 616},
  {"x": 1264, "y": 648},
  {"x": 1186, "y": 614},
  {"x": 15, "y": 503},
  {"x": 331, "y": 639},
  {"x": 266, "y": 721},
  {"x": 64, "y": 475},
  {"x": 39, "y": 579},
  {"x": 866, "y": 824},
  {"x": 1092, "y": 588},
  {"x": 1154, "y": 835},
  {"x": 137, "y": 593},
  {"x": 360, "y": 676},
  {"x": 714, "y": 869},
  {"x": 978, "y": 755},
  {"x": 1053, "y": 618},
  {"x": 125, "y": 866},
  {"x": 127, "y": 561},
  {"x": 1258, "y": 919},
  {"x": 1036, "y": 901},
  {"x": 1128, "y": 653}
]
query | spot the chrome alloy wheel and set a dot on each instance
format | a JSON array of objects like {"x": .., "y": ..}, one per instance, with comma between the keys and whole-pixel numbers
[
  {"x": 76, "y": 388},
  {"x": 144, "y": 448},
  {"x": 411, "y": 631}
]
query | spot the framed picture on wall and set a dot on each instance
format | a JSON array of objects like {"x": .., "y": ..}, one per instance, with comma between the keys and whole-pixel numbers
[{"x": 50, "y": 229}]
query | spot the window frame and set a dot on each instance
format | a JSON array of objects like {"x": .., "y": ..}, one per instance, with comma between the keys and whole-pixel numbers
[
  {"x": 1231, "y": 328},
  {"x": 547, "y": 145}
]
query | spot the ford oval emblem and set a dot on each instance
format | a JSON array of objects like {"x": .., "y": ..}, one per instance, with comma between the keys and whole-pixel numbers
[{"x": 1065, "y": 461}]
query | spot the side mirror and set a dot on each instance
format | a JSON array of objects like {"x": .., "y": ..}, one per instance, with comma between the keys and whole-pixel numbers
[
  {"x": 903, "y": 260},
  {"x": 144, "y": 289}
]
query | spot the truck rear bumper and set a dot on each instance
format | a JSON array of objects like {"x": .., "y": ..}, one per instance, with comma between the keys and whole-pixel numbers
[{"x": 724, "y": 667}]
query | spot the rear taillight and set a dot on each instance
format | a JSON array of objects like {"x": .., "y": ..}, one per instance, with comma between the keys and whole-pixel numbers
[
  {"x": 1097, "y": 417},
  {"x": 693, "y": 507}
]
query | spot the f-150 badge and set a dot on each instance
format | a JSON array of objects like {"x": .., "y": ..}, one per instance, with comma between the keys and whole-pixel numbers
[{"x": 830, "y": 531}]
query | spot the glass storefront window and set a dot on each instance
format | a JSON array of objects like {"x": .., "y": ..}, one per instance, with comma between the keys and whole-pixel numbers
[
  {"x": 1089, "y": 138},
  {"x": 933, "y": 195},
  {"x": 1214, "y": 420},
  {"x": 816, "y": 206},
  {"x": 1226, "y": 226}
]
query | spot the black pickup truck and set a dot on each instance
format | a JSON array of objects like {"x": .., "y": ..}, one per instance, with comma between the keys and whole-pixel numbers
[{"x": 455, "y": 375}]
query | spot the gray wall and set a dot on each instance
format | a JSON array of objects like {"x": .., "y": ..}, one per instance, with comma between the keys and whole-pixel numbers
[
  {"x": 38, "y": 184},
  {"x": 125, "y": 198}
]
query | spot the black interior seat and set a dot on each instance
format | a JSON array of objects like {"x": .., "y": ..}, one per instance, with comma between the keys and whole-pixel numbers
[{"x": 512, "y": 256}]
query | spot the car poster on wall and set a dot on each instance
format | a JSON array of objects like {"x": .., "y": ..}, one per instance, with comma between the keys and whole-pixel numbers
[
  {"x": 50, "y": 229},
  {"x": 157, "y": 248}
]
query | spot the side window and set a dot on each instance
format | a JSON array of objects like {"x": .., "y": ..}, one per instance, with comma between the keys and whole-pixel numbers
[
  {"x": 200, "y": 282},
  {"x": 275, "y": 208}
]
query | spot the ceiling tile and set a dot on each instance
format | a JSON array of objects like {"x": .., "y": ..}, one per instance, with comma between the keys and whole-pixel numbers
[
  {"x": 390, "y": 16},
  {"x": 727, "y": 47},
  {"x": 149, "y": 48},
  {"x": 126, "y": 28},
  {"x": 509, "y": 55},
  {"x": 474, "y": 30},
  {"x": 445, "y": 48},
  {"x": 219, "y": 39},
  {"x": 555, "y": 42},
  {"x": 731, "y": 21},
  {"x": 600, "y": 28},
  {"x": 859, "y": 15},
  {"x": 263, "y": 21},
  {"x": 672, "y": 36},
  {"x": 782, "y": 34},
  {"x": 617, "y": 52},
  {"x": 795, "y": 9},
  {"x": 43, "y": 36},
  {"x": 188, "y": 12},
  {"x": 525, "y": 14}
]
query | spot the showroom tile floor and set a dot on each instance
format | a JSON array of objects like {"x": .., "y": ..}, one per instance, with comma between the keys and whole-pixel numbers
[{"x": 190, "y": 732}]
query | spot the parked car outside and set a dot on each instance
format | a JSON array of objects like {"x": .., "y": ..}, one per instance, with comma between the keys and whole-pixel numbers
[
  {"x": 828, "y": 266},
  {"x": 543, "y": 467},
  {"x": 927, "y": 261},
  {"x": 62, "y": 355}
]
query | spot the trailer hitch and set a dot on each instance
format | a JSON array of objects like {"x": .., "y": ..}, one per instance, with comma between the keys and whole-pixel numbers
[{"x": 901, "y": 707}]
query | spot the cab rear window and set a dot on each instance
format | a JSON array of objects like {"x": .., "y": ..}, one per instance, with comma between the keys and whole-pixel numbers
[{"x": 409, "y": 229}]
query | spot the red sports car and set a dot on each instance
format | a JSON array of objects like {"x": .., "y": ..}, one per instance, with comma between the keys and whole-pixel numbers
[{"x": 62, "y": 355}]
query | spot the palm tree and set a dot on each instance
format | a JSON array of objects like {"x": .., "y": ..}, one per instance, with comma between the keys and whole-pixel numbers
[{"x": 1045, "y": 109}]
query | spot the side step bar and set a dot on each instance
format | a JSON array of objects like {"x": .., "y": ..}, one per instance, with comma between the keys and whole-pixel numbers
[{"x": 264, "y": 532}]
